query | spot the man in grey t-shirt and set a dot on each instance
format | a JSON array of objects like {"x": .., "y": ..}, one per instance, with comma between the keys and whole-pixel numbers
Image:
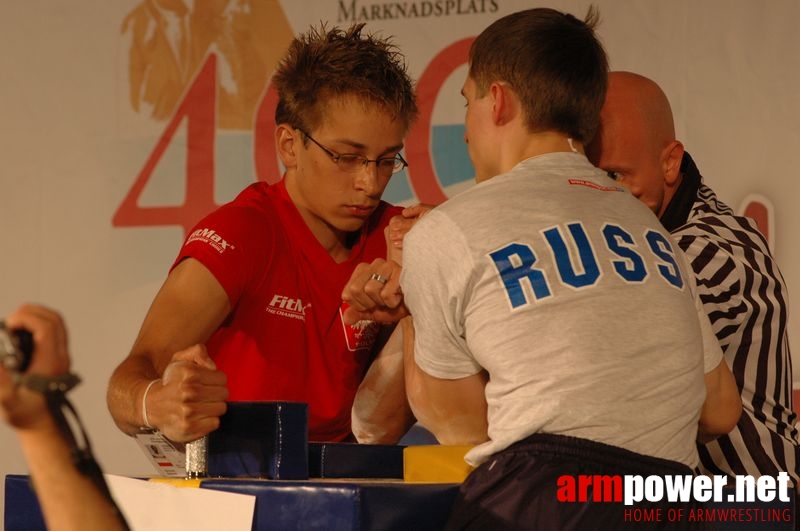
[{"x": 539, "y": 299}]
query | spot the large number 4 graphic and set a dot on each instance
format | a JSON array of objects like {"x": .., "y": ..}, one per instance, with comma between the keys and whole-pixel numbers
[{"x": 199, "y": 109}]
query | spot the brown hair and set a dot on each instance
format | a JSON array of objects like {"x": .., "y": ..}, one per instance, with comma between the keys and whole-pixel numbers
[
  {"x": 322, "y": 63},
  {"x": 553, "y": 61}
]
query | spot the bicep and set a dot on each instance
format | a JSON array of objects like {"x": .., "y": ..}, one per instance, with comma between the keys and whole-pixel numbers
[{"x": 188, "y": 308}]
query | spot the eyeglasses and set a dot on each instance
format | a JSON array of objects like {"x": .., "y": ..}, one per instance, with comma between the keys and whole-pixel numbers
[{"x": 351, "y": 163}]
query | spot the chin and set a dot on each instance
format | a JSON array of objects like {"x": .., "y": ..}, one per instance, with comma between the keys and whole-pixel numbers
[{"x": 351, "y": 225}]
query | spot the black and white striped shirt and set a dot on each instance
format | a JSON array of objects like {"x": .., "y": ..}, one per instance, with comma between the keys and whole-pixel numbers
[{"x": 745, "y": 297}]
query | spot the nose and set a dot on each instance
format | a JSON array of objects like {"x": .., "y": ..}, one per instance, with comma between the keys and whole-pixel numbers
[{"x": 369, "y": 180}]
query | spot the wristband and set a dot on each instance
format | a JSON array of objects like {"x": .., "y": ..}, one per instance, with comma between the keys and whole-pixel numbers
[{"x": 144, "y": 404}]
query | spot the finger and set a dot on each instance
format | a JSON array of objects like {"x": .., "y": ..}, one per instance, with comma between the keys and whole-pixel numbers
[
  {"x": 381, "y": 281},
  {"x": 417, "y": 211},
  {"x": 391, "y": 294},
  {"x": 362, "y": 290},
  {"x": 390, "y": 315},
  {"x": 195, "y": 380},
  {"x": 50, "y": 353},
  {"x": 394, "y": 249},
  {"x": 375, "y": 286},
  {"x": 199, "y": 394},
  {"x": 351, "y": 316},
  {"x": 201, "y": 428},
  {"x": 399, "y": 225},
  {"x": 352, "y": 288},
  {"x": 196, "y": 354}
]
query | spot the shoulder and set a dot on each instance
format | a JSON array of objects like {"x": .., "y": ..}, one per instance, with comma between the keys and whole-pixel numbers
[
  {"x": 727, "y": 232},
  {"x": 257, "y": 200},
  {"x": 251, "y": 215},
  {"x": 713, "y": 223},
  {"x": 438, "y": 234}
]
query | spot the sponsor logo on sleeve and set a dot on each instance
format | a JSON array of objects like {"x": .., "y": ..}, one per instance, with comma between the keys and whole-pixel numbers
[{"x": 210, "y": 237}]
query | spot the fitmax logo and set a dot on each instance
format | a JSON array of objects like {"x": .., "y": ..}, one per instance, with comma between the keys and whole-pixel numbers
[
  {"x": 288, "y": 307},
  {"x": 210, "y": 237}
]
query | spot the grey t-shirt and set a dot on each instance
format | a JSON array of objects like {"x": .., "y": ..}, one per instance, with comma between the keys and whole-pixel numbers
[{"x": 574, "y": 299}]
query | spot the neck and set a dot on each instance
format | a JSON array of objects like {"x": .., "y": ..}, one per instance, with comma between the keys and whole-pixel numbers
[
  {"x": 336, "y": 242},
  {"x": 532, "y": 145},
  {"x": 526, "y": 146},
  {"x": 548, "y": 142}
]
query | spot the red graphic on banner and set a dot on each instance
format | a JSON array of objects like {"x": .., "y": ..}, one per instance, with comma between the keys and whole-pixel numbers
[
  {"x": 266, "y": 157},
  {"x": 199, "y": 109},
  {"x": 421, "y": 173}
]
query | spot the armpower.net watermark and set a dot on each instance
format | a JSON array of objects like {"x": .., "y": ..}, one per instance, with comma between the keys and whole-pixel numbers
[{"x": 631, "y": 490}]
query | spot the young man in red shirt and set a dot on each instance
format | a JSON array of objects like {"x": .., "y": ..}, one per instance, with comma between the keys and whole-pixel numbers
[{"x": 251, "y": 309}]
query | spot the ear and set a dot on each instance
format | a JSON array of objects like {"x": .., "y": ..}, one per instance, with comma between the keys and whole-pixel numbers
[
  {"x": 503, "y": 103},
  {"x": 286, "y": 137},
  {"x": 671, "y": 157}
]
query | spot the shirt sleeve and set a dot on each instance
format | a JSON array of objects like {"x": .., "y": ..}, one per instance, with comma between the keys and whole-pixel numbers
[
  {"x": 228, "y": 242},
  {"x": 712, "y": 352},
  {"x": 719, "y": 280},
  {"x": 435, "y": 281}
]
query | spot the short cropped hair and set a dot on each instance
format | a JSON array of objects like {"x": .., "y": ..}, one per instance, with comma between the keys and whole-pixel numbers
[
  {"x": 322, "y": 63},
  {"x": 553, "y": 61}
]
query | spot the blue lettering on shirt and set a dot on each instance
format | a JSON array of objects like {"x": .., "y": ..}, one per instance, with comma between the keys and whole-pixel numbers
[
  {"x": 515, "y": 262},
  {"x": 662, "y": 249},
  {"x": 620, "y": 242},
  {"x": 588, "y": 262}
]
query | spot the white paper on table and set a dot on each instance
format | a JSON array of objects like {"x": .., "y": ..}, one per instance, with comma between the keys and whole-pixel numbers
[{"x": 153, "y": 506}]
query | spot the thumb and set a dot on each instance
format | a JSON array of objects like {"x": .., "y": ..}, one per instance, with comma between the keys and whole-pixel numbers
[
  {"x": 196, "y": 354},
  {"x": 351, "y": 316}
]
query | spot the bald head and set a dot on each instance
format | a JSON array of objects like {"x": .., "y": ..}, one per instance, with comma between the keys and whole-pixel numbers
[
  {"x": 636, "y": 140},
  {"x": 648, "y": 108}
]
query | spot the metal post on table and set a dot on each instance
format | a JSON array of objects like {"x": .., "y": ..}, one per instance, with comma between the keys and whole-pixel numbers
[{"x": 197, "y": 458}]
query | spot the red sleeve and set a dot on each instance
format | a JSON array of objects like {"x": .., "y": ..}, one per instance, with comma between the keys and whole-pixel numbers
[{"x": 229, "y": 242}]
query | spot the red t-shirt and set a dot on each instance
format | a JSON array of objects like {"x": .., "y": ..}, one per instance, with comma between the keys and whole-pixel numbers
[{"x": 285, "y": 339}]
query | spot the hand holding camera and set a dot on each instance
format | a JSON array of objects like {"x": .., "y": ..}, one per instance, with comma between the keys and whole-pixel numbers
[
  {"x": 33, "y": 348},
  {"x": 16, "y": 348}
]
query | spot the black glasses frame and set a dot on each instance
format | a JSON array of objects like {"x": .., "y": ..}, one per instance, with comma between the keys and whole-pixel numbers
[{"x": 353, "y": 162}]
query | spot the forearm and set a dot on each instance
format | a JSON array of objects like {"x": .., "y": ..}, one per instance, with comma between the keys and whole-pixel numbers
[
  {"x": 381, "y": 414},
  {"x": 125, "y": 391},
  {"x": 69, "y": 500},
  {"x": 723, "y": 405},
  {"x": 453, "y": 410},
  {"x": 456, "y": 427}
]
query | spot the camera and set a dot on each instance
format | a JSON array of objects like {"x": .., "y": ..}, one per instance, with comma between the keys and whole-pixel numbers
[{"x": 16, "y": 348}]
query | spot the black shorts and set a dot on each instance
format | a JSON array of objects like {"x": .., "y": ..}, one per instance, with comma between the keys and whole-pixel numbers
[{"x": 516, "y": 489}]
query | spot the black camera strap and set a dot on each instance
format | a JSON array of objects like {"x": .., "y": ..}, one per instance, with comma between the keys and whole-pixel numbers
[{"x": 65, "y": 416}]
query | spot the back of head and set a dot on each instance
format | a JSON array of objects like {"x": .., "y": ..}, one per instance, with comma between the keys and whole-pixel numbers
[
  {"x": 326, "y": 63},
  {"x": 553, "y": 61},
  {"x": 641, "y": 105},
  {"x": 636, "y": 119}
]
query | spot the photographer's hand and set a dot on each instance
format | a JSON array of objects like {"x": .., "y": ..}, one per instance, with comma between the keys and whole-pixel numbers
[
  {"x": 68, "y": 498},
  {"x": 22, "y": 408}
]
